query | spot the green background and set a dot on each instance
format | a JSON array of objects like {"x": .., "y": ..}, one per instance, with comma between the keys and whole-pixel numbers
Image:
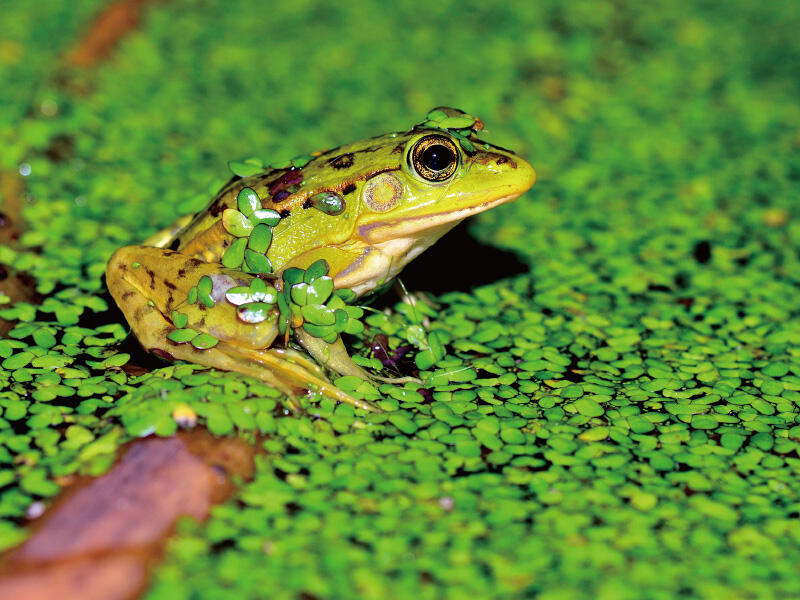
[{"x": 619, "y": 421}]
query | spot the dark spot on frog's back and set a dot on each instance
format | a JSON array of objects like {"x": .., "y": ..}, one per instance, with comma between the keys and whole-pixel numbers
[
  {"x": 190, "y": 265},
  {"x": 217, "y": 207},
  {"x": 284, "y": 213},
  {"x": 152, "y": 275},
  {"x": 348, "y": 189},
  {"x": 343, "y": 161},
  {"x": 398, "y": 149}
]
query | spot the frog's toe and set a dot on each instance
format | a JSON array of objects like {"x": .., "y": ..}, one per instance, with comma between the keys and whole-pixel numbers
[{"x": 395, "y": 380}]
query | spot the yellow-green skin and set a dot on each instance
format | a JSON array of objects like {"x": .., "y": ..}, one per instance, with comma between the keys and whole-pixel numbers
[{"x": 391, "y": 215}]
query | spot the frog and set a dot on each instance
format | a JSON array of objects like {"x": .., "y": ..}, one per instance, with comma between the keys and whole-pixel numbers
[{"x": 345, "y": 221}]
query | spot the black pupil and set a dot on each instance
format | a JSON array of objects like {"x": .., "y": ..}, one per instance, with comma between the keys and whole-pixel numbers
[{"x": 437, "y": 157}]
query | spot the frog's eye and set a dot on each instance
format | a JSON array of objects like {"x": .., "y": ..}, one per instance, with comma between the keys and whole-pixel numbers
[{"x": 434, "y": 157}]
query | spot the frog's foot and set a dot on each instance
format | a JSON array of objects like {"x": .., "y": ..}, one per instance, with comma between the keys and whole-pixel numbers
[
  {"x": 280, "y": 364},
  {"x": 335, "y": 357}
]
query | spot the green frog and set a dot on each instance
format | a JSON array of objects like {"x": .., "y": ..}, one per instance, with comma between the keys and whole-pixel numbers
[{"x": 260, "y": 281}]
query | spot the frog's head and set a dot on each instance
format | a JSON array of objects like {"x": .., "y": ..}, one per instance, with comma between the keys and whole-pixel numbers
[
  {"x": 388, "y": 198},
  {"x": 442, "y": 175}
]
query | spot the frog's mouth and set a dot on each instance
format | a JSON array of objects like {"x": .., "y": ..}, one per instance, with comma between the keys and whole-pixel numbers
[{"x": 381, "y": 232}]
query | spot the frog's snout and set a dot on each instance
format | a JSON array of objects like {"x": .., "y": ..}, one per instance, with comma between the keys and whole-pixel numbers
[
  {"x": 504, "y": 172},
  {"x": 524, "y": 174}
]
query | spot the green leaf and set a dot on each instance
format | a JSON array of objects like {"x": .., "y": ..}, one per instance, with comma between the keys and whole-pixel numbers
[
  {"x": 180, "y": 320},
  {"x": 704, "y": 422},
  {"x": 265, "y": 216},
  {"x": 354, "y": 312},
  {"x": 247, "y": 201},
  {"x": 424, "y": 360},
  {"x": 204, "y": 341},
  {"x": 302, "y": 160},
  {"x": 234, "y": 255},
  {"x": 318, "y": 315},
  {"x": 260, "y": 238},
  {"x": 341, "y": 320},
  {"x": 320, "y": 290},
  {"x": 456, "y": 122},
  {"x": 36, "y": 482},
  {"x": 354, "y": 327},
  {"x": 329, "y": 203},
  {"x": 255, "y": 312},
  {"x": 206, "y": 299},
  {"x": 346, "y": 294},
  {"x": 589, "y": 408},
  {"x": 257, "y": 263},
  {"x": 254, "y": 293},
  {"x": 403, "y": 422},
  {"x": 466, "y": 144},
  {"x": 317, "y": 269},
  {"x": 436, "y": 115},
  {"x": 117, "y": 360},
  {"x": 285, "y": 312},
  {"x": 335, "y": 302},
  {"x": 293, "y": 275},
  {"x": 205, "y": 285},
  {"x": 44, "y": 337},
  {"x": 181, "y": 336},
  {"x": 246, "y": 167},
  {"x": 17, "y": 361},
  {"x": 319, "y": 331},
  {"x": 299, "y": 292},
  {"x": 236, "y": 223},
  {"x": 239, "y": 295}
]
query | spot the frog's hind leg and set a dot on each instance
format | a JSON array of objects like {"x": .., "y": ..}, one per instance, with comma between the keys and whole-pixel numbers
[{"x": 149, "y": 295}]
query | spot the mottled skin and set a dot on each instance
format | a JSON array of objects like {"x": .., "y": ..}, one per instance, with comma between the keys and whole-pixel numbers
[{"x": 391, "y": 215}]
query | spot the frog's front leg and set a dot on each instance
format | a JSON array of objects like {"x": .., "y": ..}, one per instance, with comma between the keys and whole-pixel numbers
[
  {"x": 152, "y": 287},
  {"x": 336, "y": 358},
  {"x": 343, "y": 263}
]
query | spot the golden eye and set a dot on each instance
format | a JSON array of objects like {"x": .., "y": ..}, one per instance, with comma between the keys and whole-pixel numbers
[{"x": 434, "y": 157}]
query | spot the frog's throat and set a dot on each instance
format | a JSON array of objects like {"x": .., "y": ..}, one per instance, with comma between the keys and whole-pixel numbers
[
  {"x": 382, "y": 262},
  {"x": 385, "y": 232}
]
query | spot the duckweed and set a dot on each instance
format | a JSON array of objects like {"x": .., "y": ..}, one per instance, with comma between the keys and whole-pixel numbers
[{"x": 618, "y": 420}]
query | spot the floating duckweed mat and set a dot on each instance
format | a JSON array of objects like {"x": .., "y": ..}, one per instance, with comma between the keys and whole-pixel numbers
[{"x": 620, "y": 422}]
